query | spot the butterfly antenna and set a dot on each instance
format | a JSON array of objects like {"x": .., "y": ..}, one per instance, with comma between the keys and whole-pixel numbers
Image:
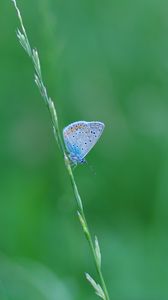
[
  {"x": 74, "y": 166},
  {"x": 91, "y": 168}
]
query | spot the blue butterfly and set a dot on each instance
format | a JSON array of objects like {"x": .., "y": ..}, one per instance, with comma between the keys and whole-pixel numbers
[{"x": 80, "y": 137}]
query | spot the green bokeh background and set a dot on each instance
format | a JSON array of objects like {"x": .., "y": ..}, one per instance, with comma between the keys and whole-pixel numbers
[{"x": 101, "y": 60}]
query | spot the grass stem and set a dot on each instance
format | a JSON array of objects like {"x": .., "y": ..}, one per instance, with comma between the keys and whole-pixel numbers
[{"x": 101, "y": 289}]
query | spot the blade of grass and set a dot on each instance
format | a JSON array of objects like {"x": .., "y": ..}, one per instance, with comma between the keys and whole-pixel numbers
[{"x": 101, "y": 289}]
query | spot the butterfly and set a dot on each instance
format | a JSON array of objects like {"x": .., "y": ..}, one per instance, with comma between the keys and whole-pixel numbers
[{"x": 80, "y": 137}]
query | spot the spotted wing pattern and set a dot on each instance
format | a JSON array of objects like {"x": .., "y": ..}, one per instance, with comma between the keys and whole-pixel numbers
[{"x": 80, "y": 137}]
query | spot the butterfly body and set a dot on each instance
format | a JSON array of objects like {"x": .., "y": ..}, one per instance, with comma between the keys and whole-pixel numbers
[{"x": 80, "y": 137}]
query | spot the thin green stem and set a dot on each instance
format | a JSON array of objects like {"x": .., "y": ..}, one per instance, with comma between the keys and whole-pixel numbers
[
  {"x": 98, "y": 267},
  {"x": 87, "y": 231},
  {"x": 101, "y": 291}
]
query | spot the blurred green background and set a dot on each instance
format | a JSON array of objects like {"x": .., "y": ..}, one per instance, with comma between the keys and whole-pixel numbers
[{"x": 101, "y": 60}]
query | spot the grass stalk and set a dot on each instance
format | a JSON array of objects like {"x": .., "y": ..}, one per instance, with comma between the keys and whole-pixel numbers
[{"x": 100, "y": 289}]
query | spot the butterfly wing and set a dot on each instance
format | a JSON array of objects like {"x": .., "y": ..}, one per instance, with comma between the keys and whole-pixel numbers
[{"x": 80, "y": 137}]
